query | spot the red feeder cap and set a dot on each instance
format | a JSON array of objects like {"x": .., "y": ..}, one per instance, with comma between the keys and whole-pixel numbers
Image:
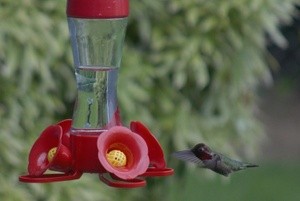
[{"x": 97, "y": 9}]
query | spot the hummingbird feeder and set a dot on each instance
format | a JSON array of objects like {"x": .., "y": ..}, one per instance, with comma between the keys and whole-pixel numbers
[{"x": 94, "y": 140}]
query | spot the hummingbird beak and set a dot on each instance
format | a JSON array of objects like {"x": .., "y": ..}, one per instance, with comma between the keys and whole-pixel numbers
[{"x": 188, "y": 156}]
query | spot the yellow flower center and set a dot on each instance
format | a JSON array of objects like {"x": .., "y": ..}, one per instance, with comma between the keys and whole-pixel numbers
[
  {"x": 51, "y": 154},
  {"x": 116, "y": 158}
]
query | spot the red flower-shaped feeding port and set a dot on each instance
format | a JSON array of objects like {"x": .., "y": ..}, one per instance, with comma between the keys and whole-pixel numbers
[{"x": 123, "y": 152}]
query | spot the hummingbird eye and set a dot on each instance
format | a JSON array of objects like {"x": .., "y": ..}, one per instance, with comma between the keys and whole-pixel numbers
[{"x": 202, "y": 149}]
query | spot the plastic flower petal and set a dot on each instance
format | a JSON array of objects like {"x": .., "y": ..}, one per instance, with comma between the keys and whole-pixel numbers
[{"x": 119, "y": 140}]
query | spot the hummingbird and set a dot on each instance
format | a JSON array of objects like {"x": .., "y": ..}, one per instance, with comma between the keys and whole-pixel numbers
[{"x": 203, "y": 156}]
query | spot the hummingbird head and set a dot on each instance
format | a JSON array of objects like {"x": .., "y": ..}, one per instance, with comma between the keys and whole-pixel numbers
[{"x": 202, "y": 152}]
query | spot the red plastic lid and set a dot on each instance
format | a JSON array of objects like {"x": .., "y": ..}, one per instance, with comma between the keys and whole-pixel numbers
[{"x": 94, "y": 9}]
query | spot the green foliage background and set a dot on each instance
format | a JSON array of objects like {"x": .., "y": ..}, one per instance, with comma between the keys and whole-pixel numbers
[{"x": 190, "y": 72}]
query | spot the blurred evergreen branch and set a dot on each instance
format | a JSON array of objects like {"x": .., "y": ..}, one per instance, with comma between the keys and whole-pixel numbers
[{"x": 194, "y": 64}]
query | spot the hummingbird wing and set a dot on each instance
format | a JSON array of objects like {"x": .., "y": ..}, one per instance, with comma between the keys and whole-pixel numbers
[{"x": 188, "y": 156}]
